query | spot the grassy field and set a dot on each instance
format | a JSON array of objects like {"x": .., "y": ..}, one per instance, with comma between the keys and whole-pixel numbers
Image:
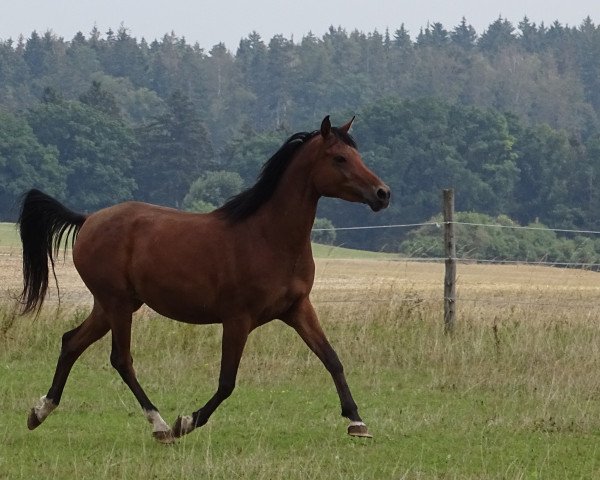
[{"x": 513, "y": 394}]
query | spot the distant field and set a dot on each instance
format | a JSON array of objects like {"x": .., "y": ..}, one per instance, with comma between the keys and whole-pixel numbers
[
  {"x": 329, "y": 251},
  {"x": 9, "y": 237},
  {"x": 513, "y": 394}
]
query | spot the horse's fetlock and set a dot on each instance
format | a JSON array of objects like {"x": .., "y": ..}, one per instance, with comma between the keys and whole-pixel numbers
[{"x": 350, "y": 412}]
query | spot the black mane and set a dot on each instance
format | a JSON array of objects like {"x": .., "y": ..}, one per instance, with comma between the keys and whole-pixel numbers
[{"x": 249, "y": 201}]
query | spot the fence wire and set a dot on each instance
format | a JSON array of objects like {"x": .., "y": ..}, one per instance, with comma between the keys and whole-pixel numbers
[
  {"x": 439, "y": 224},
  {"x": 478, "y": 260},
  {"x": 519, "y": 227},
  {"x": 375, "y": 227},
  {"x": 563, "y": 304}
]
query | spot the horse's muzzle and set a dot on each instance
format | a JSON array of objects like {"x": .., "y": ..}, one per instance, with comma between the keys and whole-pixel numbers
[{"x": 380, "y": 199}]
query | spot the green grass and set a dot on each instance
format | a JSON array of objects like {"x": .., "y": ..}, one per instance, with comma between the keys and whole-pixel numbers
[
  {"x": 330, "y": 251},
  {"x": 521, "y": 404}
]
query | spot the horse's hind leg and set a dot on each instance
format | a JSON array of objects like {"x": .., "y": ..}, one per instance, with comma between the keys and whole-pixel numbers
[
  {"x": 74, "y": 344},
  {"x": 122, "y": 361}
]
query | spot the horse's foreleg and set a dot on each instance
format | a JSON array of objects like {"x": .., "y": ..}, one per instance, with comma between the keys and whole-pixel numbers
[
  {"x": 74, "y": 344},
  {"x": 235, "y": 334},
  {"x": 122, "y": 361},
  {"x": 303, "y": 319}
]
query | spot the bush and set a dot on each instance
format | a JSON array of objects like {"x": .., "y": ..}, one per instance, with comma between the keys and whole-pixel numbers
[
  {"x": 500, "y": 242},
  {"x": 326, "y": 237},
  {"x": 211, "y": 190}
]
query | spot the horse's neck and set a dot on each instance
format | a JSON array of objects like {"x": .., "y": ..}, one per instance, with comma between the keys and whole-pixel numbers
[{"x": 287, "y": 218}]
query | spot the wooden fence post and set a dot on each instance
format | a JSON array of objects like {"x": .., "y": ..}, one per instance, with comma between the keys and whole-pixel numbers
[{"x": 450, "y": 252}]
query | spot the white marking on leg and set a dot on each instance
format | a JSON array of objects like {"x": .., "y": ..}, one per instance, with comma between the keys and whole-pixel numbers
[
  {"x": 158, "y": 424},
  {"x": 356, "y": 424},
  {"x": 187, "y": 424},
  {"x": 44, "y": 407}
]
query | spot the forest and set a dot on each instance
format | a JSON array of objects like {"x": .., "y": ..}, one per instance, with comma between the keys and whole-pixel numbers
[{"x": 508, "y": 117}]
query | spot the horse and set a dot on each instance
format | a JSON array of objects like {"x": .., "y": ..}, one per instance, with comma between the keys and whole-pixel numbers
[{"x": 241, "y": 266}]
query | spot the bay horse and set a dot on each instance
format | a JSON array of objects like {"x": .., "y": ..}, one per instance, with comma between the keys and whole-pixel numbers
[{"x": 242, "y": 265}]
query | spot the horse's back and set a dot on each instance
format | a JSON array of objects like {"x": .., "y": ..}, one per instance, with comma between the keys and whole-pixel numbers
[
  {"x": 110, "y": 232},
  {"x": 119, "y": 244}
]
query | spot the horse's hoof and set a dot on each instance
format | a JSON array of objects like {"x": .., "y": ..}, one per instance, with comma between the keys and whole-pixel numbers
[
  {"x": 165, "y": 437},
  {"x": 359, "y": 429},
  {"x": 32, "y": 420},
  {"x": 177, "y": 428},
  {"x": 182, "y": 426}
]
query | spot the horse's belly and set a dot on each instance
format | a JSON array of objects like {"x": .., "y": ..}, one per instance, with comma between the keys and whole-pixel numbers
[
  {"x": 276, "y": 301},
  {"x": 261, "y": 303},
  {"x": 184, "y": 310}
]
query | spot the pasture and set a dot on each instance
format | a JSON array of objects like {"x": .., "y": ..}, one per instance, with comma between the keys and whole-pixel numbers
[{"x": 513, "y": 394}]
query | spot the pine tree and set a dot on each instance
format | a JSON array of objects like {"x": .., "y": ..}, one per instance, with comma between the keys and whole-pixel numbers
[
  {"x": 464, "y": 36},
  {"x": 175, "y": 150},
  {"x": 101, "y": 100}
]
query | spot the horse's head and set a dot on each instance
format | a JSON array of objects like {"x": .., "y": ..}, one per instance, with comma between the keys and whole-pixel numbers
[{"x": 340, "y": 172}]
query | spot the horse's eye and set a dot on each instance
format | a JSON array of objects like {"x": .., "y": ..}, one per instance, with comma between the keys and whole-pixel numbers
[{"x": 339, "y": 159}]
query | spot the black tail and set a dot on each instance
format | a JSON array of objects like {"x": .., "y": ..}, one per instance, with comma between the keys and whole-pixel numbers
[{"x": 43, "y": 224}]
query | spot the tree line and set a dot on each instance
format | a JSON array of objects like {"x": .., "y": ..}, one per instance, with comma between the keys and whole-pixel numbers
[{"x": 508, "y": 117}]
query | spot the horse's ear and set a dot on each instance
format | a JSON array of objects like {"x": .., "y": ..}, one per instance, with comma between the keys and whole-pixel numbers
[
  {"x": 325, "y": 127},
  {"x": 345, "y": 128}
]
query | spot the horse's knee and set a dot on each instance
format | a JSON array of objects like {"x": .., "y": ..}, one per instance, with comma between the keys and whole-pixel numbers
[
  {"x": 333, "y": 364},
  {"x": 114, "y": 360},
  {"x": 120, "y": 363}
]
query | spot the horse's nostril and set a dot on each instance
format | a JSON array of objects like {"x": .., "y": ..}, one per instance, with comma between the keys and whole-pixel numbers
[{"x": 383, "y": 194}]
